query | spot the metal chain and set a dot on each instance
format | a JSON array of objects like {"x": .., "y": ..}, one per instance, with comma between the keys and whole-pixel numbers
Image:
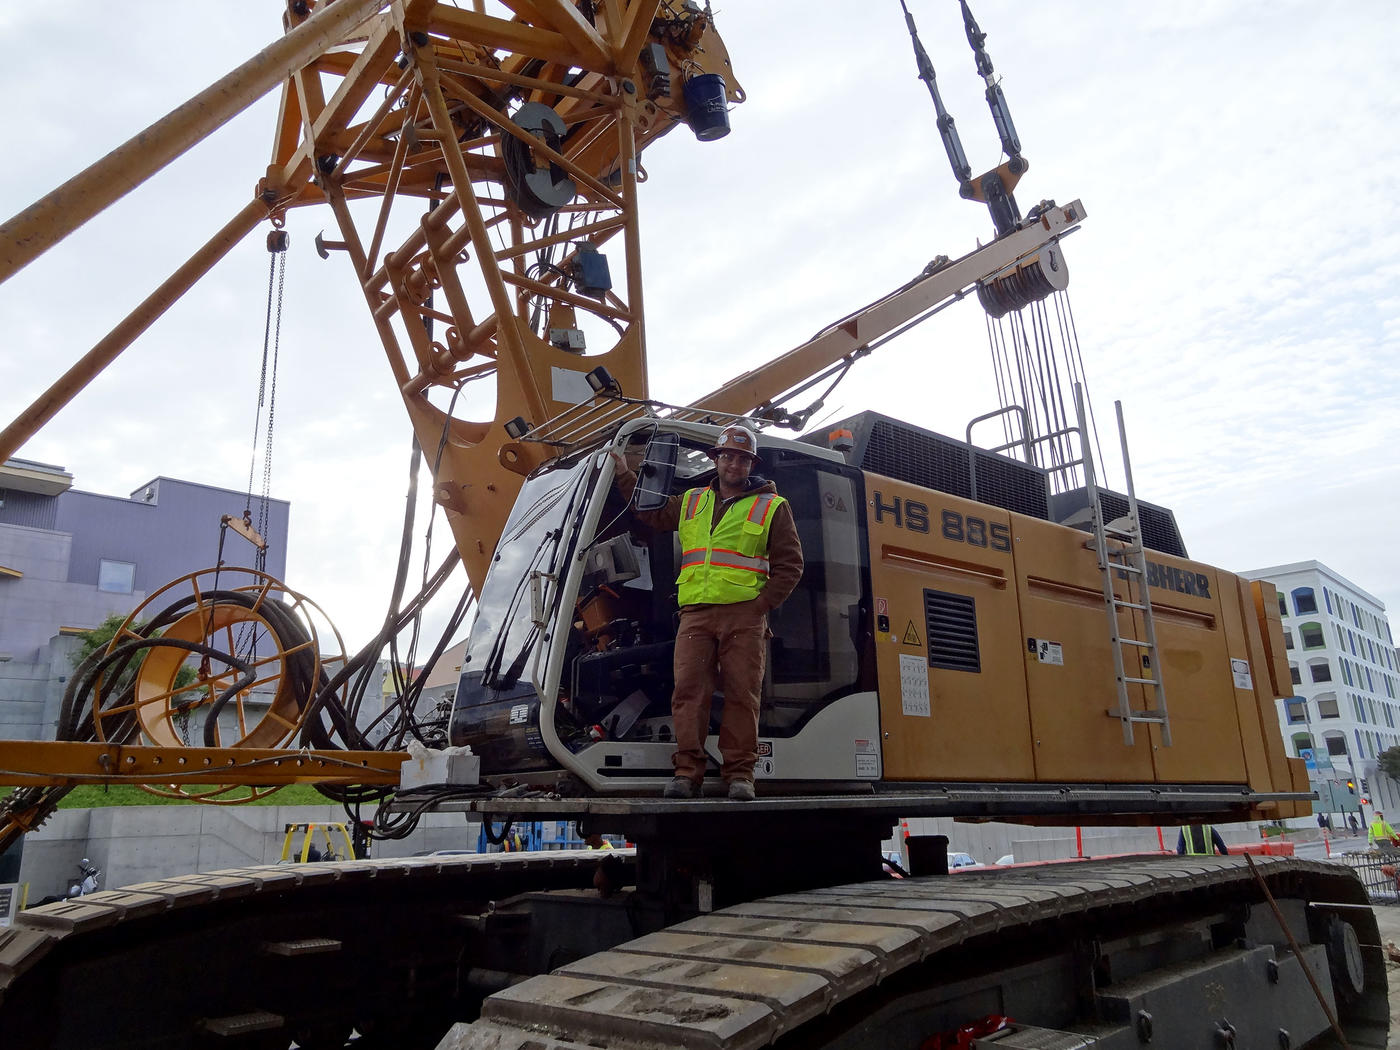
[
  {"x": 281, "y": 259},
  {"x": 262, "y": 382}
]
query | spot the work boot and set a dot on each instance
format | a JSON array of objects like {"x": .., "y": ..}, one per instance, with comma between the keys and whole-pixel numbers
[
  {"x": 681, "y": 787},
  {"x": 741, "y": 791}
]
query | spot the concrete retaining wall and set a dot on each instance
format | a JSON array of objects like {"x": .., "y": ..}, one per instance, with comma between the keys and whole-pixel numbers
[{"x": 141, "y": 843}]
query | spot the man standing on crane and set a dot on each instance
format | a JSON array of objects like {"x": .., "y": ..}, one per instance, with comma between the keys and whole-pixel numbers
[{"x": 740, "y": 558}]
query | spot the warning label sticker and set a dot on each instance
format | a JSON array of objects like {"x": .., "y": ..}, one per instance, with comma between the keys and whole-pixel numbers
[
  {"x": 1048, "y": 652},
  {"x": 867, "y": 766},
  {"x": 913, "y": 686},
  {"x": 1240, "y": 669},
  {"x": 911, "y": 635}
]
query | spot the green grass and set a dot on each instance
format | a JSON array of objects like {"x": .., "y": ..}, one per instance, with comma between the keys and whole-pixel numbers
[{"x": 95, "y": 796}]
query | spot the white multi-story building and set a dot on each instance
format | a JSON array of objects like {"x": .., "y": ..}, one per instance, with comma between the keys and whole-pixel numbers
[{"x": 1346, "y": 676}]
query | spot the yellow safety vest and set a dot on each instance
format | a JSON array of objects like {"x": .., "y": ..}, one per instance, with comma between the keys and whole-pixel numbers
[
  {"x": 1198, "y": 839},
  {"x": 730, "y": 564}
]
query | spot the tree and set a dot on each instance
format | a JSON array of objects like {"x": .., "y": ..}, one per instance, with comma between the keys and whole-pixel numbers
[
  {"x": 97, "y": 640},
  {"x": 1389, "y": 761}
]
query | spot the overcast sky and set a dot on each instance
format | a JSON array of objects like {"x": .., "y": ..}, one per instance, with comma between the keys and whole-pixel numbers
[{"x": 1234, "y": 284}]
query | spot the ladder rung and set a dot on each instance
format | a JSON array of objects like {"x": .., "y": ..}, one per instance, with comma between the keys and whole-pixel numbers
[
  {"x": 1141, "y": 681},
  {"x": 1124, "y": 566},
  {"x": 1128, "y": 605},
  {"x": 1134, "y": 641}
]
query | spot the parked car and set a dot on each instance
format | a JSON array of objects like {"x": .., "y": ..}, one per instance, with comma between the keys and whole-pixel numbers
[
  {"x": 960, "y": 860},
  {"x": 1009, "y": 858}
]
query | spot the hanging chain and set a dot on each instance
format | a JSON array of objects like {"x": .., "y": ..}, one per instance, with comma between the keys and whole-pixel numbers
[
  {"x": 263, "y": 514},
  {"x": 277, "y": 242}
]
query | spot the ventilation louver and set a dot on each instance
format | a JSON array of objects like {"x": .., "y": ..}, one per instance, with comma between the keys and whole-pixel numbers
[{"x": 951, "y": 620}]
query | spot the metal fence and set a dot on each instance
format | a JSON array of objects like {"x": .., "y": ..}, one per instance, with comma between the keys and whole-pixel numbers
[{"x": 1379, "y": 870}]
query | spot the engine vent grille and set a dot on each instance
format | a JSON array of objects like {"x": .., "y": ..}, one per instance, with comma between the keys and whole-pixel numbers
[
  {"x": 908, "y": 453},
  {"x": 1159, "y": 529},
  {"x": 951, "y": 620}
]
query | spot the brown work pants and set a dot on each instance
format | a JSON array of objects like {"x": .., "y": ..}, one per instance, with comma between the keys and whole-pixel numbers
[{"x": 725, "y": 644}]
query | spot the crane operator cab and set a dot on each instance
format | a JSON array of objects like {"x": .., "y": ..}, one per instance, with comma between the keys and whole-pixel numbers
[{"x": 569, "y": 665}]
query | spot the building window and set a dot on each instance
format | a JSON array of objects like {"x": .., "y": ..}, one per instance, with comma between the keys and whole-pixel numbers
[
  {"x": 116, "y": 577},
  {"x": 1294, "y": 674},
  {"x": 1327, "y": 597},
  {"x": 1282, "y": 604},
  {"x": 1304, "y": 601},
  {"x": 1320, "y": 670},
  {"x": 1287, "y": 638},
  {"x": 1310, "y": 634},
  {"x": 1301, "y": 742},
  {"x": 1297, "y": 708},
  {"x": 1336, "y": 744},
  {"x": 1327, "y": 706}
]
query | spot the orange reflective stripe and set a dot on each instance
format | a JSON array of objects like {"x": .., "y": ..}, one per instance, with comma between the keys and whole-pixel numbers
[
  {"x": 757, "y": 570},
  {"x": 736, "y": 560},
  {"x": 761, "y": 505}
]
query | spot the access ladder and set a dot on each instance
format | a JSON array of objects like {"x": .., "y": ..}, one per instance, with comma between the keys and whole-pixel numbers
[{"x": 1118, "y": 545}]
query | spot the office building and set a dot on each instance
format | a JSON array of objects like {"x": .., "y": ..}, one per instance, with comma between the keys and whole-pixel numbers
[
  {"x": 69, "y": 559},
  {"x": 1346, "y": 677}
]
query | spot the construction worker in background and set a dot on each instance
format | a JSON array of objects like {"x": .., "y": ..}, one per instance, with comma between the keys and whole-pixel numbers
[
  {"x": 1381, "y": 833},
  {"x": 1200, "y": 840},
  {"x": 596, "y": 841},
  {"x": 740, "y": 557}
]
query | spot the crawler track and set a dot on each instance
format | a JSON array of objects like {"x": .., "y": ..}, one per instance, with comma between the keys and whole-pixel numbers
[
  {"x": 854, "y": 965},
  {"x": 258, "y": 956},
  {"x": 401, "y": 949}
]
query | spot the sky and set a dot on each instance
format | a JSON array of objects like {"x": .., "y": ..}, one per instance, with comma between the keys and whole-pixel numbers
[{"x": 1234, "y": 284}]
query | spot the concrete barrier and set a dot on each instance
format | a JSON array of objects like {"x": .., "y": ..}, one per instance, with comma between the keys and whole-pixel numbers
[{"x": 142, "y": 843}]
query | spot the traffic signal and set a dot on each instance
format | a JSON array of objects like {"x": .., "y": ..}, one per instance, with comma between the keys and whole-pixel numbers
[{"x": 1351, "y": 785}]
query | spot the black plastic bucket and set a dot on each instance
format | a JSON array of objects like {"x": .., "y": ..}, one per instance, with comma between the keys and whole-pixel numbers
[{"x": 706, "y": 106}]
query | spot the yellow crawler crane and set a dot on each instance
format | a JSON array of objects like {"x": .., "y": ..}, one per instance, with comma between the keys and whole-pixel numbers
[{"x": 963, "y": 644}]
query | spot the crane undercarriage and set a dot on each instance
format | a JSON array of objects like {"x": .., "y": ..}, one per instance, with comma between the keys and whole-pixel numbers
[{"x": 711, "y": 933}]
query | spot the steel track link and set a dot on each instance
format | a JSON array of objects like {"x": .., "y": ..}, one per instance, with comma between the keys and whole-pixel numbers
[
  {"x": 166, "y": 963},
  {"x": 748, "y": 975}
]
